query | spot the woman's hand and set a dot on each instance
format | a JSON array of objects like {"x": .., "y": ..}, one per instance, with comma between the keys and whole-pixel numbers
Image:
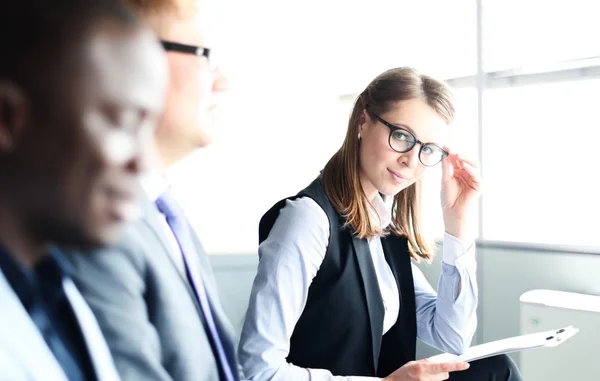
[
  {"x": 461, "y": 187},
  {"x": 426, "y": 370}
]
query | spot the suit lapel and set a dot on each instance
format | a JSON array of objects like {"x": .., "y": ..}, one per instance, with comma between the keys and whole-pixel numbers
[
  {"x": 21, "y": 339},
  {"x": 154, "y": 222},
  {"x": 372, "y": 294},
  {"x": 94, "y": 340}
]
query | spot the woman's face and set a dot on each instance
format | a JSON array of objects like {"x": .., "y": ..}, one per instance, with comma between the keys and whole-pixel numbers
[{"x": 384, "y": 170}]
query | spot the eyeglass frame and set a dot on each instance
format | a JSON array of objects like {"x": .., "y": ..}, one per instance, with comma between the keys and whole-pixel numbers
[
  {"x": 394, "y": 128},
  {"x": 199, "y": 51}
]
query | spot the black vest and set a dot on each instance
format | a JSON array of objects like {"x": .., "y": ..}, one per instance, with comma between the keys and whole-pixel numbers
[{"x": 341, "y": 326}]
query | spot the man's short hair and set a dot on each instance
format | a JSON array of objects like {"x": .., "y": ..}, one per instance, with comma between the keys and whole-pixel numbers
[
  {"x": 153, "y": 7},
  {"x": 158, "y": 13}
]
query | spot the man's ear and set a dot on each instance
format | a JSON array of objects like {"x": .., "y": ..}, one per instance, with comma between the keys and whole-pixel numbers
[{"x": 13, "y": 110}]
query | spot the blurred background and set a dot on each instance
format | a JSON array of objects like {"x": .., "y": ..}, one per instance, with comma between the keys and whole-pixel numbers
[{"x": 527, "y": 80}]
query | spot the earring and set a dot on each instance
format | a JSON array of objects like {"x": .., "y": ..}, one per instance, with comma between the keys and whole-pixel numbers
[{"x": 359, "y": 136}]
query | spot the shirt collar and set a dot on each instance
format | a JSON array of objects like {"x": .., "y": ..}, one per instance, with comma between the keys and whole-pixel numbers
[
  {"x": 18, "y": 276},
  {"x": 28, "y": 284},
  {"x": 380, "y": 212}
]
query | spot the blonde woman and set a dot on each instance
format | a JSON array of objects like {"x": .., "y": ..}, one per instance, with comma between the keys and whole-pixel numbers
[{"x": 337, "y": 296}]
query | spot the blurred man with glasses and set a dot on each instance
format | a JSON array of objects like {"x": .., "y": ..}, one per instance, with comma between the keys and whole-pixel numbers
[{"x": 154, "y": 294}]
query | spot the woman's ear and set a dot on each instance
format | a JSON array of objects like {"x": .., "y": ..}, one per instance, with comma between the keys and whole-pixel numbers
[{"x": 362, "y": 120}]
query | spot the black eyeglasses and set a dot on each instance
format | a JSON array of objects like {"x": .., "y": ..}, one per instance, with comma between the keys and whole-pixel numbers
[
  {"x": 402, "y": 140},
  {"x": 184, "y": 48}
]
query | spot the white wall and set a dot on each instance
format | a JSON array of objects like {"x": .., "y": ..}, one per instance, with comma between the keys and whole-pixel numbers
[
  {"x": 234, "y": 275},
  {"x": 506, "y": 274}
]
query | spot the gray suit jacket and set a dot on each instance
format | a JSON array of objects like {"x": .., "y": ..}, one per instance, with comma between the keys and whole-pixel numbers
[
  {"x": 24, "y": 354},
  {"x": 146, "y": 308}
]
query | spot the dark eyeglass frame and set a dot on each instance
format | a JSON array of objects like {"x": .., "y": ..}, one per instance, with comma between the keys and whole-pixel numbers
[
  {"x": 415, "y": 140},
  {"x": 199, "y": 51}
]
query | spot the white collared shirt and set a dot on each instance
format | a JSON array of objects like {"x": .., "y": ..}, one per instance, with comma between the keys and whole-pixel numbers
[{"x": 387, "y": 283}]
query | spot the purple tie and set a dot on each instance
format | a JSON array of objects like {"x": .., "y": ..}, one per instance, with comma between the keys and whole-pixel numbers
[{"x": 181, "y": 230}]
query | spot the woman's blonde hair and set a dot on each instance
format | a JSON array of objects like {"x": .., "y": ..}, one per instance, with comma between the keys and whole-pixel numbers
[{"x": 341, "y": 174}]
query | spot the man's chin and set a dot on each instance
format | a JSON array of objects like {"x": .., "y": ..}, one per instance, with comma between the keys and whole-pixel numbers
[
  {"x": 79, "y": 235},
  {"x": 205, "y": 132},
  {"x": 203, "y": 140},
  {"x": 110, "y": 235},
  {"x": 126, "y": 211},
  {"x": 96, "y": 239}
]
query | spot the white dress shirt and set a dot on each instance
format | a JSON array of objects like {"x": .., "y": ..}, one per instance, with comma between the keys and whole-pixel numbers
[{"x": 289, "y": 260}]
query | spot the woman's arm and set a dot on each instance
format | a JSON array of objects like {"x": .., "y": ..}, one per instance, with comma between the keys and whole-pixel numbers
[
  {"x": 448, "y": 320},
  {"x": 289, "y": 260}
]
